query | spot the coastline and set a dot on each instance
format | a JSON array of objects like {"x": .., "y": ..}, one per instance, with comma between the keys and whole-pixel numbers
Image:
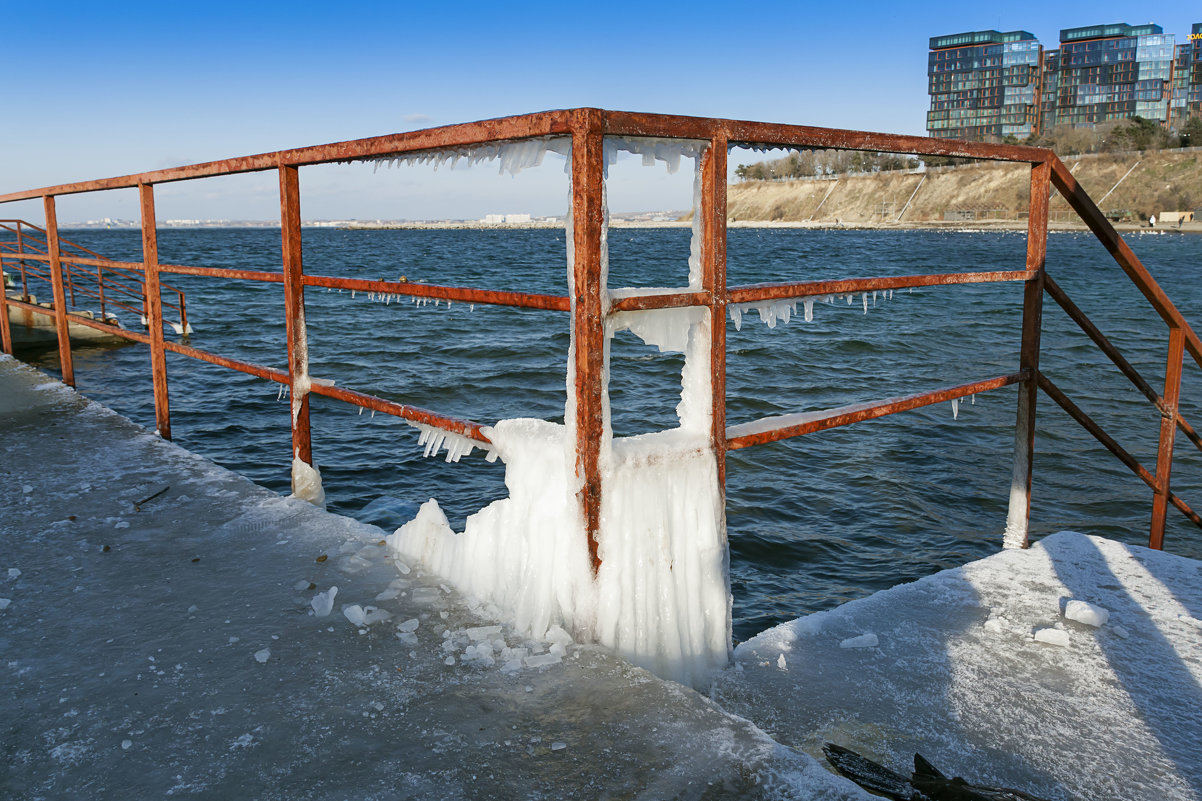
[{"x": 925, "y": 225}]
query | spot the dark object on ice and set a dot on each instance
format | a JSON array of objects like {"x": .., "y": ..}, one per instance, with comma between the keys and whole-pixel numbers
[{"x": 926, "y": 784}]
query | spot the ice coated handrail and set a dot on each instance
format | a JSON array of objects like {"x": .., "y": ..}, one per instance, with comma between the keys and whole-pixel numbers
[{"x": 584, "y": 300}]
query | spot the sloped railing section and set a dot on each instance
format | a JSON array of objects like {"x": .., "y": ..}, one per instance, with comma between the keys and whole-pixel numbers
[
  {"x": 111, "y": 291},
  {"x": 591, "y": 304}
]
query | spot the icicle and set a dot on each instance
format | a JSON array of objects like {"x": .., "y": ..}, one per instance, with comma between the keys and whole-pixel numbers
[
  {"x": 352, "y": 294},
  {"x": 471, "y": 307},
  {"x": 736, "y": 314},
  {"x": 974, "y": 399},
  {"x": 955, "y": 408},
  {"x": 279, "y": 395},
  {"x": 373, "y": 414},
  {"x": 808, "y": 303},
  {"x": 874, "y": 298},
  {"x": 851, "y": 298},
  {"x": 864, "y": 297},
  {"x": 360, "y": 411}
]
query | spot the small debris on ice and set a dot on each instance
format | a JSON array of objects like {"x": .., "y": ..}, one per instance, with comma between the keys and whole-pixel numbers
[
  {"x": 780, "y": 662},
  {"x": 868, "y": 640},
  {"x": 263, "y": 655},
  {"x": 409, "y": 625},
  {"x": 125, "y": 744},
  {"x": 323, "y": 602},
  {"x": 1052, "y": 637},
  {"x": 558, "y": 745},
  {"x": 1086, "y": 613},
  {"x": 4, "y": 602},
  {"x": 1120, "y": 632},
  {"x": 244, "y": 741},
  {"x": 27, "y": 489},
  {"x": 542, "y": 660},
  {"x": 13, "y": 574}
]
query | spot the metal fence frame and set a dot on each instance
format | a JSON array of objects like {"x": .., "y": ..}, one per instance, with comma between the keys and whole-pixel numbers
[{"x": 590, "y": 305}]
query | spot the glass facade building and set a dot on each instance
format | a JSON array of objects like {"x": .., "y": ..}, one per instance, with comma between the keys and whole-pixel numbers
[
  {"x": 984, "y": 85},
  {"x": 987, "y": 85}
]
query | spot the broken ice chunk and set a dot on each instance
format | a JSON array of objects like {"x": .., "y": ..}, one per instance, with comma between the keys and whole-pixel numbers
[
  {"x": 780, "y": 662},
  {"x": 868, "y": 640},
  {"x": 263, "y": 655},
  {"x": 4, "y": 602},
  {"x": 1086, "y": 613},
  {"x": 323, "y": 602},
  {"x": 1052, "y": 637},
  {"x": 13, "y": 573},
  {"x": 355, "y": 614}
]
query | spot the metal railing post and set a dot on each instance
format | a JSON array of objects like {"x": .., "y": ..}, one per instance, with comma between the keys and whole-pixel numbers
[
  {"x": 100, "y": 291},
  {"x": 6, "y": 337},
  {"x": 588, "y": 316},
  {"x": 154, "y": 310},
  {"x": 1168, "y": 432},
  {"x": 713, "y": 281},
  {"x": 21, "y": 251},
  {"x": 1019, "y": 515},
  {"x": 60, "y": 297},
  {"x": 294, "y": 313}
]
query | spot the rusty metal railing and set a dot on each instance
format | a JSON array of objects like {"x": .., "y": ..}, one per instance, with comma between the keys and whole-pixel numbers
[
  {"x": 589, "y": 303},
  {"x": 89, "y": 276}
]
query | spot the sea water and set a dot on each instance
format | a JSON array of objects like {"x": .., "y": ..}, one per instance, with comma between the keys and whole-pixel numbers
[{"x": 813, "y": 521}]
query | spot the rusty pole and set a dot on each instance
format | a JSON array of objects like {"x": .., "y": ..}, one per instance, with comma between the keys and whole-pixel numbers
[
  {"x": 713, "y": 281},
  {"x": 588, "y": 316},
  {"x": 21, "y": 251},
  {"x": 60, "y": 298},
  {"x": 6, "y": 337},
  {"x": 1019, "y": 515},
  {"x": 294, "y": 312},
  {"x": 154, "y": 310},
  {"x": 1168, "y": 431}
]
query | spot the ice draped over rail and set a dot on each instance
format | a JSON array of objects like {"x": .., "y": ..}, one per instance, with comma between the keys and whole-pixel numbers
[{"x": 661, "y": 597}]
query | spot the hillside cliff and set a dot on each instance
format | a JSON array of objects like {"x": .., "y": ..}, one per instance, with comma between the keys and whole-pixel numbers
[{"x": 1155, "y": 182}]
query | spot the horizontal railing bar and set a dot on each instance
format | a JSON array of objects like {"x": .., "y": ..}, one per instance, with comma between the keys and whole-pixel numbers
[
  {"x": 1061, "y": 297},
  {"x": 666, "y": 300},
  {"x": 1055, "y": 393},
  {"x": 463, "y": 294},
  {"x": 223, "y": 272},
  {"x": 624, "y": 123},
  {"x": 748, "y": 293},
  {"x": 552, "y": 123},
  {"x": 267, "y": 373},
  {"x": 1088, "y": 211},
  {"x": 463, "y": 427},
  {"x": 772, "y": 429},
  {"x": 89, "y": 322},
  {"x": 546, "y": 123}
]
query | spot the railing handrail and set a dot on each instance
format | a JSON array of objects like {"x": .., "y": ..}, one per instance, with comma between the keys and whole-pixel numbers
[{"x": 587, "y": 129}]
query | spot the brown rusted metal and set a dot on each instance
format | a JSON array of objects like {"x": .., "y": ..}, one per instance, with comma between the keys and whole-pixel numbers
[
  {"x": 772, "y": 429},
  {"x": 1018, "y": 514},
  {"x": 525, "y": 300},
  {"x": 294, "y": 313},
  {"x": 546, "y": 123},
  {"x": 659, "y": 300},
  {"x": 154, "y": 308},
  {"x": 623, "y": 123},
  {"x": 60, "y": 298},
  {"x": 1168, "y": 432},
  {"x": 456, "y": 425},
  {"x": 713, "y": 281},
  {"x": 1106, "y": 346},
  {"x": 6, "y": 337},
  {"x": 1123, "y": 255},
  {"x": 789, "y": 290},
  {"x": 1054, "y": 392},
  {"x": 257, "y": 370},
  {"x": 588, "y": 317}
]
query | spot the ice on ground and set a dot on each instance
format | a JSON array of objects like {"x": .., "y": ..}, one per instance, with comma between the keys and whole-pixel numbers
[
  {"x": 13, "y": 574},
  {"x": 4, "y": 603},
  {"x": 869, "y": 640},
  {"x": 323, "y": 602},
  {"x": 1052, "y": 636},
  {"x": 959, "y": 677},
  {"x": 1087, "y": 613},
  {"x": 306, "y": 483},
  {"x": 262, "y": 655}
]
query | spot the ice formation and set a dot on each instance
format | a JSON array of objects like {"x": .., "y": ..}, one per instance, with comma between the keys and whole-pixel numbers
[
  {"x": 1087, "y": 613},
  {"x": 661, "y": 597},
  {"x": 306, "y": 482},
  {"x": 457, "y": 446}
]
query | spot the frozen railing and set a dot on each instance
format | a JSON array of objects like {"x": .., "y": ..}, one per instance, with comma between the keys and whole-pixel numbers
[
  {"x": 593, "y": 579},
  {"x": 88, "y": 278}
]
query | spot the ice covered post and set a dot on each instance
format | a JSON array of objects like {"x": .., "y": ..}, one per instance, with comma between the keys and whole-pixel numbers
[
  {"x": 306, "y": 481},
  {"x": 1019, "y": 514}
]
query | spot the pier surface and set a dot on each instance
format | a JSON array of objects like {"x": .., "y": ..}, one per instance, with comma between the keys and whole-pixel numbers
[{"x": 159, "y": 639}]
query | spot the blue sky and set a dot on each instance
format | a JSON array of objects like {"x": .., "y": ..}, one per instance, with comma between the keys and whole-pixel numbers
[{"x": 96, "y": 90}]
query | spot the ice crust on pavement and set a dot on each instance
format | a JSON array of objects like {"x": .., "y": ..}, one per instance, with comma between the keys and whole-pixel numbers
[
  {"x": 144, "y": 681},
  {"x": 978, "y": 669}
]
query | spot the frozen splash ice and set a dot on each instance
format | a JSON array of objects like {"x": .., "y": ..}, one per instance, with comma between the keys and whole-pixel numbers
[
  {"x": 457, "y": 446},
  {"x": 306, "y": 482},
  {"x": 661, "y": 597}
]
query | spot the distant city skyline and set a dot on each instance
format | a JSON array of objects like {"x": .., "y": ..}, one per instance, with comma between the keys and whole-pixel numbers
[{"x": 97, "y": 91}]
